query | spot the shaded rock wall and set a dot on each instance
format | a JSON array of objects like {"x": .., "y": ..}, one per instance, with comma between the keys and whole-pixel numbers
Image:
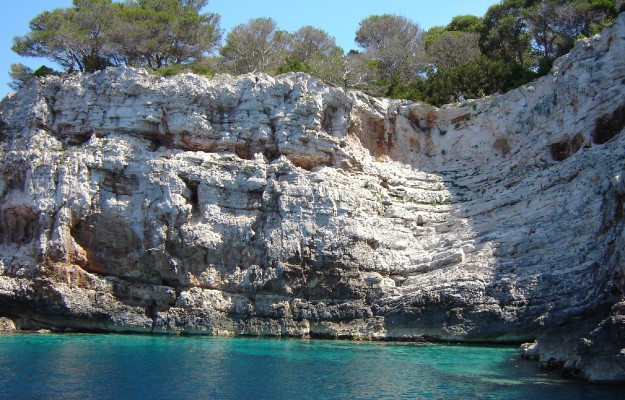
[{"x": 282, "y": 206}]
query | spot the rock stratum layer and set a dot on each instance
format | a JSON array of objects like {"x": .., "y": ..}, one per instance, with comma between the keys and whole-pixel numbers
[{"x": 283, "y": 206}]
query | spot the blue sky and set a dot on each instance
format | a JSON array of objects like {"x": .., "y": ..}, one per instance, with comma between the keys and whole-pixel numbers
[{"x": 339, "y": 18}]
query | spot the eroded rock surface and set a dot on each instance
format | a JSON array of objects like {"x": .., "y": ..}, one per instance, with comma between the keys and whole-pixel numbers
[
  {"x": 6, "y": 325},
  {"x": 282, "y": 206}
]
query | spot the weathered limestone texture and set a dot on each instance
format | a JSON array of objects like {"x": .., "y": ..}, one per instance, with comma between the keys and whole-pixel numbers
[
  {"x": 6, "y": 325},
  {"x": 282, "y": 206}
]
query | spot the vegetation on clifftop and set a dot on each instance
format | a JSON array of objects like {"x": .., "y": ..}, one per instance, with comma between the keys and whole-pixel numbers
[{"x": 515, "y": 42}]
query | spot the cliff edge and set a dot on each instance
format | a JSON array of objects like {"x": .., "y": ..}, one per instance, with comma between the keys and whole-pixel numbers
[{"x": 282, "y": 206}]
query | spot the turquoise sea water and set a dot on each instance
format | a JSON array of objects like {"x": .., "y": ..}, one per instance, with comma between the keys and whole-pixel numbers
[{"x": 81, "y": 366}]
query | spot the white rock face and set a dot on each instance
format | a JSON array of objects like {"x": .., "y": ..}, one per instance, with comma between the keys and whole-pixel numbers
[
  {"x": 6, "y": 325},
  {"x": 282, "y": 206}
]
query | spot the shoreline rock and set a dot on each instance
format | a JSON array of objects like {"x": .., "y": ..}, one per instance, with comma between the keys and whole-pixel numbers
[
  {"x": 282, "y": 206},
  {"x": 7, "y": 325}
]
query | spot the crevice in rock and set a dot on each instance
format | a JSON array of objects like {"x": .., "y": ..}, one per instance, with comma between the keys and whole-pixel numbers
[
  {"x": 151, "y": 312},
  {"x": 14, "y": 177},
  {"x": 609, "y": 125},
  {"x": 176, "y": 285},
  {"x": 4, "y": 128},
  {"x": 614, "y": 213},
  {"x": 18, "y": 225},
  {"x": 68, "y": 134},
  {"x": 267, "y": 217},
  {"x": 158, "y": 134},
  {"x": 391, "y": 134},
  {"x": 50, "y": 101},
  {"x": 502, "y": 145},
  {"x": 157, "y": 141},
  {"x": 244, "y": 151},
  {"x": 192, "y": 196},
  {"x": 164, "y": 125},
  {"x": 327, "y": 118},
  {"x": 270, "y": 149},
  {"x": 120, "y": 184},
  {"x": 565, "y": 148},
  {"x": 331, "y": 119},
  {"x": 110, "y": 244},
  {"x": 373, "y": 243},
  {"x": 81, "y": 233}
]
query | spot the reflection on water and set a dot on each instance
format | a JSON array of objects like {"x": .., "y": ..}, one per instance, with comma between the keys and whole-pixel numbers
[{"x": 161, "y": 367}]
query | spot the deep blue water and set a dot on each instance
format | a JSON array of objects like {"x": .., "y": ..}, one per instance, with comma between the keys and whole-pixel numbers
[{"x": 34, "y": 366}]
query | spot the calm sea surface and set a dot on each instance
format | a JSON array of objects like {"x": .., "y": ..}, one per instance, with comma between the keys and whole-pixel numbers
[{"x": 34, "y": 366}]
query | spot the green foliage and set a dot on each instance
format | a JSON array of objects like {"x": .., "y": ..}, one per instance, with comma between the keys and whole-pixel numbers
[
  {"x": 94, "y": 34},
  {"x": 20, "y": 74},
  {"x": 401, "y": 90},
  {"x": 158, "y": 33},
  {"x": 292, "y": 65},
  {"x": 43, "y": 71},
  {"x": 433, "y": 34},
  {"x": 516, "y": 41},
  {"x": 474, "y": 79},
  {"x": 531, "y": 33},
  {"x": 170, "y": 70},
  {"x": 200, "y": 69},
  {"x": 453, "y": 48},
  {"x": 397, "y": 46},
  {"x": 75, "y": 38},
  {"x": 258, "y": 46},
  {"x": 466, "y": 24},
  {"x": 313, "y": 51},
  {"x": 506, "y": 33}
]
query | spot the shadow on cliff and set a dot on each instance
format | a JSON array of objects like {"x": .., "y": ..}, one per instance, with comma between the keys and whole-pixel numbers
[{"x": 543, "y": 227}]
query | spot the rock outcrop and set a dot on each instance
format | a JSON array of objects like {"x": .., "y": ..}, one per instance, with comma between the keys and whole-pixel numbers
[
  {"x": 283, "y": 206},
  {"x": 6, "y": 325}
]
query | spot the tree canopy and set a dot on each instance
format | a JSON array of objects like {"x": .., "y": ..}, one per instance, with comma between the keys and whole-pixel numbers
[
  {"x": 258, "y": 46},
  {"x": 395, "y": 44},
  {"x": 158, "y": 33},
  {"x": 514, "y": 42},
  {"x": 314, "y": 51},
  {"x": 74, "y": 37},
  {"x": 96, "y": 33}
]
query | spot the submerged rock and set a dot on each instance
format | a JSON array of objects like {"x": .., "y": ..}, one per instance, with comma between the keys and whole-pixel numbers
[{"x": 283, "y": 206}]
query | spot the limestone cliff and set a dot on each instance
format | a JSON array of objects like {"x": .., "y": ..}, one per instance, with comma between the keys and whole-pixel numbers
[{"x": 283, "y": 206}]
